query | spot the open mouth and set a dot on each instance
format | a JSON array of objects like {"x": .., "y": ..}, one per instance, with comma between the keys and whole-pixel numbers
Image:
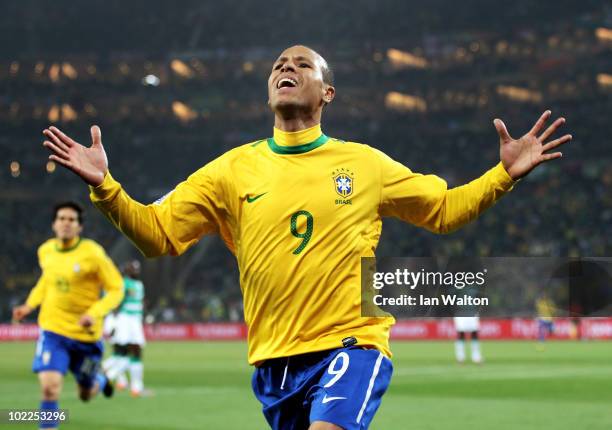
[{"x": 286, "y": 83}]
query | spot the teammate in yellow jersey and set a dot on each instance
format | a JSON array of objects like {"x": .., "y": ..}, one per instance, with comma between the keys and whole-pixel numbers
[
  {"x": 298, "y": 210},
  {"x": 545, "y": 310},
  {"x": 75, "y": 271}
]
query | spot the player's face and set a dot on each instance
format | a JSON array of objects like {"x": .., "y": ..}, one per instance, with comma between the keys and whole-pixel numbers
[
  {"x": 296, "y": 81},
  {"x": 133, "y": 269},
  {"x": 66, "y": 225}
]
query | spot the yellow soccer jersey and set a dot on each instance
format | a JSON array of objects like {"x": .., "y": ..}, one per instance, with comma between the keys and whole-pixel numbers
[
  {"x": 71, "y": 285},
  {"x": 545, "y": 309},
  {"x": 299, "y": 210}
]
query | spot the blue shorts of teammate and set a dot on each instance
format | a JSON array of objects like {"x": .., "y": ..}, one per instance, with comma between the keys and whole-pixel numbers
[
  {"x": 341, "y": 386},
  {"x": 60, "y": 353},
  {"x": 545, "y": 328}
]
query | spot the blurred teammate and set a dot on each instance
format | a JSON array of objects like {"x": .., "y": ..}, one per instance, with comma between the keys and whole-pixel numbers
[
  {"x": 128, "y": 334},
  {"x": 546, "y": 311},
  {"x": 298, "y": 210},
  {"x": 469, "y": 325},
  {"x": 75, "y": 271}
]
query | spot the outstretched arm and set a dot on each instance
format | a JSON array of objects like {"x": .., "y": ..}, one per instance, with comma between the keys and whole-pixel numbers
[
  {"x": 169, "y": 226},
  {"x": 135, "y": 220},
  {"x": 424, "y": 200}
]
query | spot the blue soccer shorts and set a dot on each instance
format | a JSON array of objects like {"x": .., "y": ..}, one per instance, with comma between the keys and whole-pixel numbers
[
  {"x": 341, "y": 386},
  {"x": 61, "y": 353}
]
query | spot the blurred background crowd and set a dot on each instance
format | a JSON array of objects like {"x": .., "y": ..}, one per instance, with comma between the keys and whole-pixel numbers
[{"x": 184, "y": 83}]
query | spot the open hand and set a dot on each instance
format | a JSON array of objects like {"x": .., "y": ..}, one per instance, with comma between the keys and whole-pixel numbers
[
  {"x": 90, "y": 163},
  {"x": 521, "y": 156}
]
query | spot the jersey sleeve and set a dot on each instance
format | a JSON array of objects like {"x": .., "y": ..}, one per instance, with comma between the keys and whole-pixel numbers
[
  {"x": 37, "y": 294},
  {"x": 112, "y": 284},
  {"x": 426, "y": 201},
  {"x": 173, "y": 223}
]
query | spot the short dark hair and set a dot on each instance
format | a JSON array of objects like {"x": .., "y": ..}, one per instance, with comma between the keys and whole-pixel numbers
[
  {"x": 328, "y": 74},
  {"x": 326, "y": 70},
  {"x": 72, "y": 205}
]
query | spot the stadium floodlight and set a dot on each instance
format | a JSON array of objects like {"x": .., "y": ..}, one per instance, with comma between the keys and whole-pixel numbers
[{"x": 150, "y": 80}]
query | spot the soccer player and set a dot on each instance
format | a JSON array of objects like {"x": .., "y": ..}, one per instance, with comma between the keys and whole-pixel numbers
[
  {"x": 545, "y": 311},
  {"x": 118, "y": 354},
  {"x": 469, "y": 325},
  {"x": 75, "y": 271},
  {"x": 298, "y": 210},
  {"x": 128, "y": 333}
]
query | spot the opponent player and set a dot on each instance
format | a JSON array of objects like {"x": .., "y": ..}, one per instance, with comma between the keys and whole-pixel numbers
[
  {"x": 298, "y": 210},
  {"x": 469, "y": 325},
  {"x": 118, "y": 354},
  {"x": 74, "y": 273},
  {"x": 128, "y": 333}
]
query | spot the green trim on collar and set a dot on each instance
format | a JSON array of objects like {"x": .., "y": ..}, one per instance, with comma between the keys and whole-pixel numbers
[
  {"x": 58, "y": 249},
  {"x": 298, "y": 149}
]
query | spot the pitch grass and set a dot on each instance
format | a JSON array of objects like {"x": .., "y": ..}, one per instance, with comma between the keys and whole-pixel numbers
[{"x": 207, "y": 386}]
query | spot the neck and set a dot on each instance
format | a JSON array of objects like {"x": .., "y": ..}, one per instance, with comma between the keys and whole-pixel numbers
[{"x": 67, "y": 243}]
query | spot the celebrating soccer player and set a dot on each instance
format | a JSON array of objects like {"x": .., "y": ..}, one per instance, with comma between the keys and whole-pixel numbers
[
  {"x": 298, "y": 210},
  {"x": 74, "y": 273}
]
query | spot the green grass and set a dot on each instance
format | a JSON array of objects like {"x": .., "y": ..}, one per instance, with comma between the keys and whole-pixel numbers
[{"x": 207, "y": 386}]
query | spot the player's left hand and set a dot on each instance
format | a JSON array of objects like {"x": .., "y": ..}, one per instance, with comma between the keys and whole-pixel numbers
[
  {"x": 521, "y": 156},
  {"x": 86, "y": 321}
]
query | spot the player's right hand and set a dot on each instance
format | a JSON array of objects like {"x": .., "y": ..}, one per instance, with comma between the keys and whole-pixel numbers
[
  {"x": 20, "y": 312},
  {"x": 90, "y": 163},
  {"x": 86, "y": 321}
]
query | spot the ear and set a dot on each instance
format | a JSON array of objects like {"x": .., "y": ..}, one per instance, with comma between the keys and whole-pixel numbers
[{"x": 329, "y": 93}]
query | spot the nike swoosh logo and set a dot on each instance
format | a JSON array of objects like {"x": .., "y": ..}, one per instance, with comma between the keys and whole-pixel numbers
[
  {"x": 329, "y": 399},
  {"x": 252, "y": 199}
]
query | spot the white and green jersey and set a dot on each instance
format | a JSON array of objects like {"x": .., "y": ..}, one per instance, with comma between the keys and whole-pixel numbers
[{"x": 134, "y": 295}]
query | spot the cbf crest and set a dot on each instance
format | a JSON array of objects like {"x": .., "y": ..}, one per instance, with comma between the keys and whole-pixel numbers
[{"x": 344, "y": 185}]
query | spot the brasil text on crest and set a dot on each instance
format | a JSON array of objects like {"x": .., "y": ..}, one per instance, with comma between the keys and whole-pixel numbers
[{"x": 344, "y": 185}]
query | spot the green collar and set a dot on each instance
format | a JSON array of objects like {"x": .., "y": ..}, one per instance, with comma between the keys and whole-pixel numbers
[
  {"x": 298, "y": 149},
  {"x": 58, "y": 249}
]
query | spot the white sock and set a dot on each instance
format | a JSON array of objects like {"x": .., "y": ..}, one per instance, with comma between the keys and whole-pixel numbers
[
  {"x": 460, "y": 350},
  {"x": 476, "y": 357},
  {"x": 120, "y": 365},
  {"x": 136, "y": 376}
]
